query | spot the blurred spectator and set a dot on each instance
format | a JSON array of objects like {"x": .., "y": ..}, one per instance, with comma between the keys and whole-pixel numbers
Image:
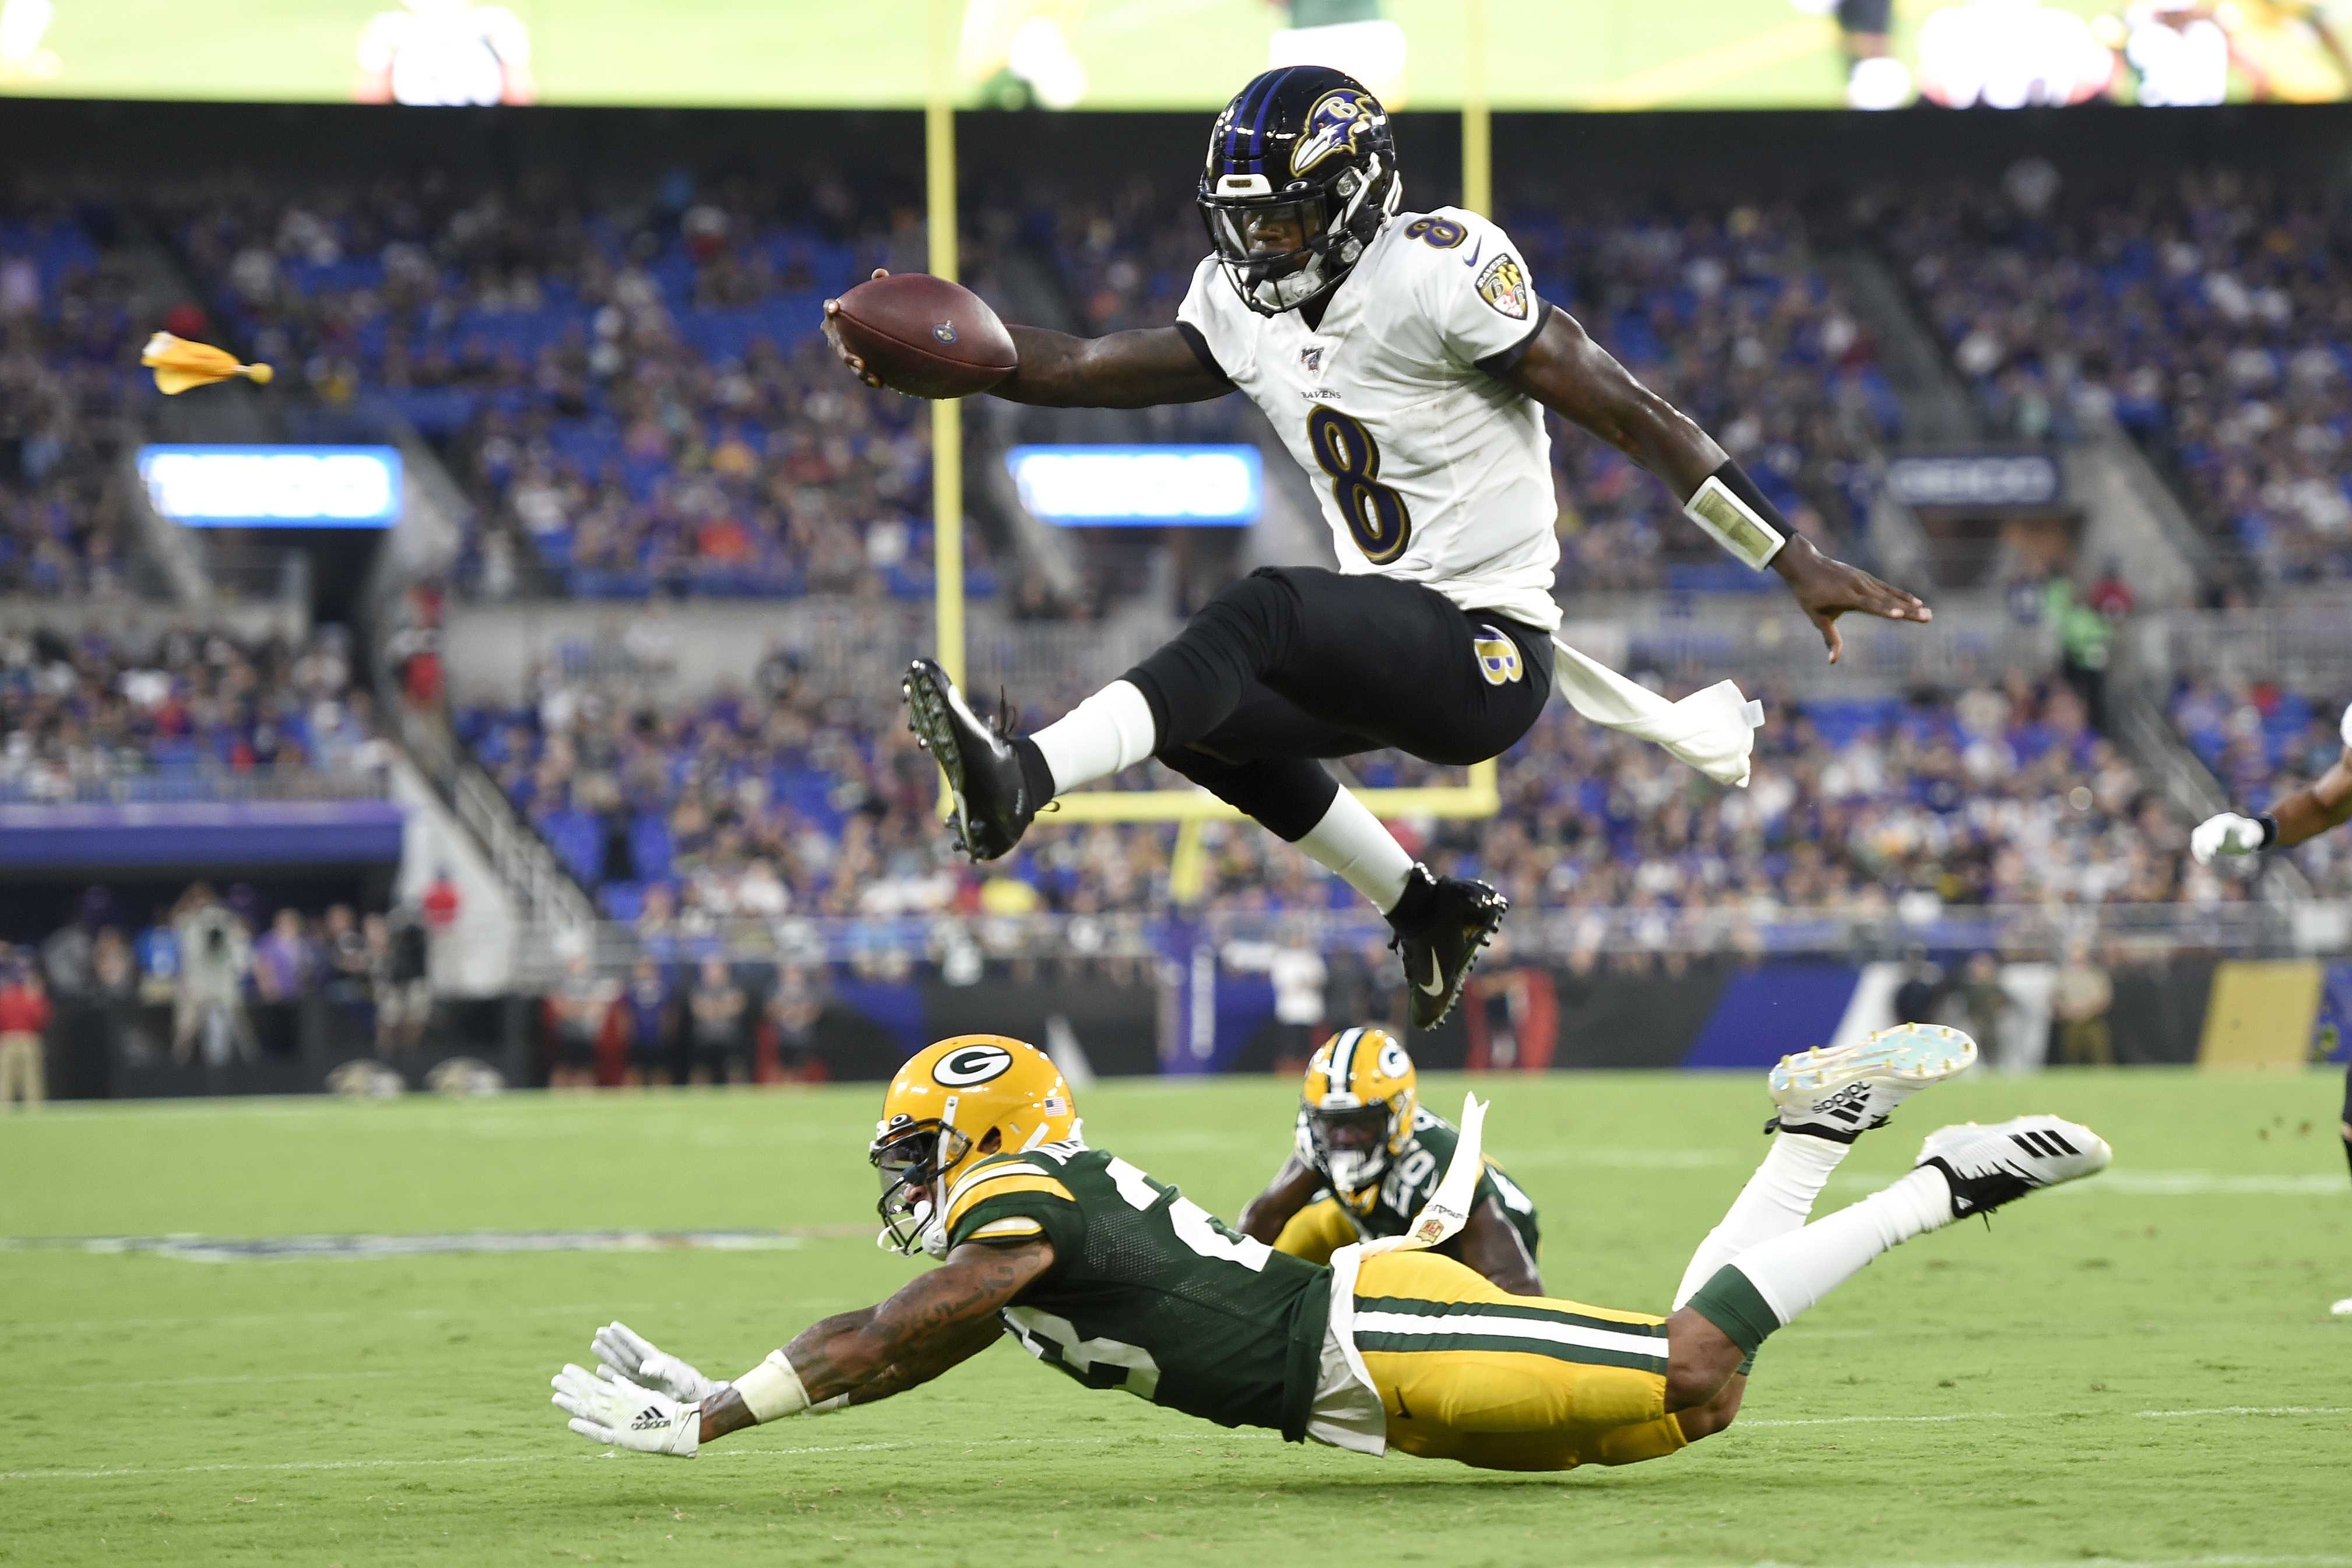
[
  {"x": 343, "y": 952},
  {"x": 2078, "y": 1009},
  {"x": 25, "y": 1015},
  {"x": 1986, "y": 1004},
  {"x": 717, "y": 1013},
  {"x": 285, "y": 964},
  {"x": 1921, "y": 991},
  {"x": 402, "y": 987},
  {"x": 216, "y": 955},
  {"x": 66, "y": 956},
  {"x": 792, "y": 1009},
  {"x": 653, "y": 1024},
  {"x": 578, "y": 1010},
  {"x": 114, "y": 968},
  {"x": 157, "y": 949}
]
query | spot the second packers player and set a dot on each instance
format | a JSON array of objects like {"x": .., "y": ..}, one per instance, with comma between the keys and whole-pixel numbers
[
  {"x": 1122, "y": 1283},
  {"x": 1368, "y": 1159}
]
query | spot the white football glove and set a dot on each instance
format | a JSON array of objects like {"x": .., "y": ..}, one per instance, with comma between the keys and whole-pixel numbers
[
  {"x": 2228, "y": 833},
  {"x": 632, "y": 1356},
  {"x": 608, "y": 1408}
]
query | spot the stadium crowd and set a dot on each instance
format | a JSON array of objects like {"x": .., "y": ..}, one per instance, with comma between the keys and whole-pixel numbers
[
  {"x": 183, "y": 714},
  {"x": 632, "y": 387},
  {"x": 791, "y": 801},
  {"x": 64, "y": 382},
  {"x": 2209, "y": 314}
]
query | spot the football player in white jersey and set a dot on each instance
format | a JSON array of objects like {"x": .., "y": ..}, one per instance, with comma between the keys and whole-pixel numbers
[
  {"x": 2323, "y": 803},
  {"x": 1406, "y": 361}
]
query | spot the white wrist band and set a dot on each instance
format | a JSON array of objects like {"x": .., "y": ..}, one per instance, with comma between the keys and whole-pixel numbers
[
  {"x": 773, "y": 1390},
  {"x": 1733, "y": 524}
]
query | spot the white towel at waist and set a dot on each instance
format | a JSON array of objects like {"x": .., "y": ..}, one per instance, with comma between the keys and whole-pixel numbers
[{"x": 1713, "y": 730}]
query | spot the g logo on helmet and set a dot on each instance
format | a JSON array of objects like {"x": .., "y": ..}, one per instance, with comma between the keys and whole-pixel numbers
[
  {"x": 972, "y": 1065},
  {"x": 1394, "y": 1063},
  {"x": 1337, "y": 120}
]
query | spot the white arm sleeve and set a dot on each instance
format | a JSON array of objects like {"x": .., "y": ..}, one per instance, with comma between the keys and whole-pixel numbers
[
  {"x": 1474, "y": 288},
  {"x": 2347, "y": 729}
]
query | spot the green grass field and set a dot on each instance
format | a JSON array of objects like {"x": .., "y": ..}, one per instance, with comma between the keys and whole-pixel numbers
[
  {"x": 1139, "y": 54},
  {"x": 2140, "y": 1369}
]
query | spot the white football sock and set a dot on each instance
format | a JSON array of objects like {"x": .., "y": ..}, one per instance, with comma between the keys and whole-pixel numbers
[
  {"x": 1109, "y": 730},
  {"x": 1350, "y": 843},
  {"x": 1793, "y": 1271},
  {"x": 1776, "y": 1199}
]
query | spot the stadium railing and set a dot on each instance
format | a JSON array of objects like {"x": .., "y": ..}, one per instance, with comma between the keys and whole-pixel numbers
[{"x": 2018, "y": 933}]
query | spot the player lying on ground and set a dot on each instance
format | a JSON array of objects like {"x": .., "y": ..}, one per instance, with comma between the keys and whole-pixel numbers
[
  {"x": 2323, "y": 803},
  {"x": 1368, "y": 1159},
  {"x": 1406, "y": 361},
  {"x": 1123, "y": 1283}
]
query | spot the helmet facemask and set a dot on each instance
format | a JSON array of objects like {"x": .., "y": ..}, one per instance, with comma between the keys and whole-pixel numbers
[
  {"x": 1332, "y": 226},
  {"x": 912, "y": 1158},
  {"x": 1352, "y": 1145}
]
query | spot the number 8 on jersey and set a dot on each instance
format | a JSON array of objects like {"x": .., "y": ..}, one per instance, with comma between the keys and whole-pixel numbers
[{"x": 1376, "y": 515}]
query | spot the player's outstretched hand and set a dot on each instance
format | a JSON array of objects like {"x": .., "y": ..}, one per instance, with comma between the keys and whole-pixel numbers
[
  {"x": 833, "y": 336},
  {"x": 606, "y": 1408},
  {"x": 1827, "y": 588},
  {"x": 631, "y": 1355},
  {"x": 2228, "y": 833}
]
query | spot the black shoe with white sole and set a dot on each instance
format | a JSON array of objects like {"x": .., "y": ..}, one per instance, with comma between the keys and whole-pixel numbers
[
  {"x": 1441, "y": 924},
  {"x": 995, "y": 800}
]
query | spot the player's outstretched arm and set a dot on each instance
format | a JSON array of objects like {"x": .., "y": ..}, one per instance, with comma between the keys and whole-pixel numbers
[
  {"x": 2323, "y": 803},
  {"x": 932, "y": 1324},
  {"x": 946, "y": 1317},
  {"x": 1567, "y": 373},
  {"x": 1492, "y": 1245},
  {"x": 1140, "y": 369},
  {"x": 1284, "y": 1197}
]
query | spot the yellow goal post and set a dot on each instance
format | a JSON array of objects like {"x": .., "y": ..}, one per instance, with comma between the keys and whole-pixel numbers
[{"x": 1478, "y": 795}]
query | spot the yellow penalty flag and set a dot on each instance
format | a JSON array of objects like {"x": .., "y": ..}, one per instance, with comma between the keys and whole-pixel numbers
[{"x": 179, "y": 364}]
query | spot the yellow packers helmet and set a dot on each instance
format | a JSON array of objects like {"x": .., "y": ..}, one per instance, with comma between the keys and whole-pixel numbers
[
  {"x": 937, "y": 1120},
  {"x": 1356, "y": 1108}
]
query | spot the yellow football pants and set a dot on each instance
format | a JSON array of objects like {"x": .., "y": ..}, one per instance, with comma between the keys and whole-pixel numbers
[
  {"x": 1317, "y": 1231},
  {"x": 1466, "y": 1371}
]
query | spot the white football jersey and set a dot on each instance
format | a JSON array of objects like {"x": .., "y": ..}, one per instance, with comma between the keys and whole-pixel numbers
[{"x": 1427, "y": 468}]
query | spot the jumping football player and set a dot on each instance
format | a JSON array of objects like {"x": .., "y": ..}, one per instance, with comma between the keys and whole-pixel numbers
[
  {"x": 1406, "y": 361},
  {"x": 1124, "y": 1283},
  {"x": 2323, "y": 803},
  {"x": 1368, "y": 1160}
]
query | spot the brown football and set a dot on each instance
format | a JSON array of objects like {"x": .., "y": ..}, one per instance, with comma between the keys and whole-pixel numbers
[{"x": 925, "y": 336}]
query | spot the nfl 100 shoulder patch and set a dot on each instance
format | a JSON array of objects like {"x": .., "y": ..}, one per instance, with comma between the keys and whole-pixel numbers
[{"x": 1504, "y": 285}]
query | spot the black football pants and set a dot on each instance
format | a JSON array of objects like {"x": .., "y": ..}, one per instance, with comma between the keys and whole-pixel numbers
[{"x": 1292, "y": 664}]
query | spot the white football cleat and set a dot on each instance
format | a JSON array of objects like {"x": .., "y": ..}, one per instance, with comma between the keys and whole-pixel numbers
[
  {"x": 1841, "y": 1091},
  {"x": 1990, "y": 1166}
]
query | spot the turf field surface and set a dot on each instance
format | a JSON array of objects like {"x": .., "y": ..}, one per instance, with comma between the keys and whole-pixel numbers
[{"x": 2137, "y": 1369}]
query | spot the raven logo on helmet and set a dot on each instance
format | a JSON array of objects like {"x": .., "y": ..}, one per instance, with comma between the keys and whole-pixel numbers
[{"x": 1336, "y": 124}]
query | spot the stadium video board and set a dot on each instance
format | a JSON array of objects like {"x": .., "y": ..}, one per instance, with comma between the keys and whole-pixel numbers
[
  {"x": 273, "y": 486},
  {"x": 1177, "y": 54}
]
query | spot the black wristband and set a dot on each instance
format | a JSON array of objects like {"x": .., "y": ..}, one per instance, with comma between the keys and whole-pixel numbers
[
  {"x": 1735, "y": 479},
  {"x": 2269, "y": 830}
]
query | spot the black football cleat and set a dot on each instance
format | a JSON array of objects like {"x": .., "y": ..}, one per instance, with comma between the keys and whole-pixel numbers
[
  {"x": 1441, "y": 943},
  {"x": 994, "y": 803}
]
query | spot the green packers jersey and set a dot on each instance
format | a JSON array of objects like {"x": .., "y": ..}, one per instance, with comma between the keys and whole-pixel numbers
[
  {"x": 1147, "y": 1291},
  {"x": 1412, "y": 1180}
]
